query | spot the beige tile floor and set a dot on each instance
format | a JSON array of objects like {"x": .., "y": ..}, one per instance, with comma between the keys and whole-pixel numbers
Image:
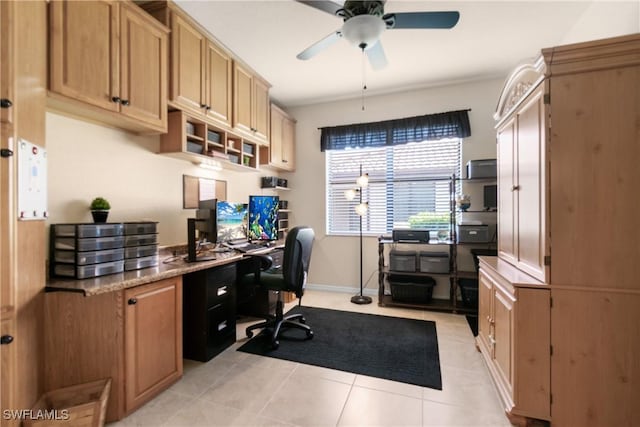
[{"x": 240, "y": 389}]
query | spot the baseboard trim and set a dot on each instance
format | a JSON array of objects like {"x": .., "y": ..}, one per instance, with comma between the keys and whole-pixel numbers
[{"x": 341, "y": 289}]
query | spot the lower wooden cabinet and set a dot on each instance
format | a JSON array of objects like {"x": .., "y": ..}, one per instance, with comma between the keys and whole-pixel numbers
[
  {"x": 153, "y": 339},
  {"x": 514, "y": 336},
  {"x": 132, "y": 336}
]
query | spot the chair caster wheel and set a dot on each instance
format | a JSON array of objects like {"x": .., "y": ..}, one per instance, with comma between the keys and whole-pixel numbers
[
  {"x": 303, "y": 320},
  {"x": 249, "y": 334},
  {"x": 309, "y": 334},
  {"x": 275, "y": 345}
]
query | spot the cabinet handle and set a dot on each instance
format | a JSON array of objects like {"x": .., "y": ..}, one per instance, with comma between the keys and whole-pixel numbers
[
  {"x": 132, "y": 301},
  {"x": 203, "y": 105},
  {"x": 125, "y": 102},
  {"x": 515, "y": 188},
  {"x": 285, "y": 161},
  {"x": 5, "y": 103},
  {"x": 208, "y": 107},
  {"x": 6, "y": 339},
  {"x": 116, "y": 99}
]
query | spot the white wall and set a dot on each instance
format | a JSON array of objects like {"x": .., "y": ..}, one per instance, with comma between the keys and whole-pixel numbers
[
  {"x": 335, "y": 259},
  {"x": 600, "y": 20},
  {"x": 87, "y": 160}
]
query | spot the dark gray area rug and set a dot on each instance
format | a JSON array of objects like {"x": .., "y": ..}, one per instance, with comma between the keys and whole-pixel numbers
[{"x": 404, "y": 350}]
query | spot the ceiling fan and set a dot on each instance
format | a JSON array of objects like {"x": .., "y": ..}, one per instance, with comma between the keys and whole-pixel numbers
[{"x": 365, "y": 21}]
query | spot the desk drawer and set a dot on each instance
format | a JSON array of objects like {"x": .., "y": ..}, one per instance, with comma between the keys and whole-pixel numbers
[{"x": 220, "y": 284}]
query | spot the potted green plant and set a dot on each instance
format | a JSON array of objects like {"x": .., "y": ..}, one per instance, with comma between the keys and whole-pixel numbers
[{"x": 100, "y": 209}]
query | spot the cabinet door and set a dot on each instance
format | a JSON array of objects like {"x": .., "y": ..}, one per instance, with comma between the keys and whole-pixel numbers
[
  {"x": 153, "y": 339},
  {"x": 83, "y": 51},
  {"x": 7, "y": 63},
  {"x": 242, "y": 99},
  {"x": 218, "y": 86},
  {"x": 7, "y": 237},
  {"x": 288, "y": 144},
  {"x": 261, "y": 109},
  {"x": 277, "y": 133},
  {"x": 503, "y": 304},
  {"x": 143, "y": 62},
  {"x": 485, "y": 319},
  {"x": 188, "y": 47},
  {"x": 530, "y": 186},
  {"x": 7, "y": 367},
  {"x": 506, "y": 200}
]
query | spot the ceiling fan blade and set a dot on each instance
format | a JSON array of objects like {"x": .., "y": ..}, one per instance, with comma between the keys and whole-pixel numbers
[
  {"x": 377, "y": 58},
  {"x": 422, "y": 19},
  {"x": 325, "y": 6},
  {"x": 319, "y": 46}
]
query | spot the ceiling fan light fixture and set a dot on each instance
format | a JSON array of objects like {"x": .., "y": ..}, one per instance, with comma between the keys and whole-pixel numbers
[{"x": 363, "y": 30}]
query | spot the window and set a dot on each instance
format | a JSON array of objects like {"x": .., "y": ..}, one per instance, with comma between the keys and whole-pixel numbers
[{"x": 408, "y": 185}]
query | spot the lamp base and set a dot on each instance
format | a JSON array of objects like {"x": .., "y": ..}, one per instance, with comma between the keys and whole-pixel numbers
[{"x": 361, "y": 299}]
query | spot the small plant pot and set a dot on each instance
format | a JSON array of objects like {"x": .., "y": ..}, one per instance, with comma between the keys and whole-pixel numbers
[{"x": 100, "y": 216}]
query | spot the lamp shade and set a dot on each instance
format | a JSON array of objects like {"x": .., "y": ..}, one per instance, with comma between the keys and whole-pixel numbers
[
  {"x": 361, "y": 209},
  {"x": 350, "y": 194},
  {"x": 363, "y": 180}
]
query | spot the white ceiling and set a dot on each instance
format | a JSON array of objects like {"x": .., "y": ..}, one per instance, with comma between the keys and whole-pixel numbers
[{"x": 488, "y": 41}]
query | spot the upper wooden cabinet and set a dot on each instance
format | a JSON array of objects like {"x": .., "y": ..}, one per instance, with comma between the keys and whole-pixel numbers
[
  {"x": 280, "y": 153},
  {"x": 250, "y": 103},
  {"x": 7, "y": 82},
  {"x": 522, "y": 232},
  {"x": 200, "y": 72},
  {"x": 109, "y": 55}
]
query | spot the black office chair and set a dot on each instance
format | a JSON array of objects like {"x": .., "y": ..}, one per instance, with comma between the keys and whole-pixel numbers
[{"x": 292, "y": 278}]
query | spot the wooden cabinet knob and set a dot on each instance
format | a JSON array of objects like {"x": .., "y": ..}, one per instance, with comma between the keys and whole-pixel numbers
[
  {"x": 125, "y": 102},
  {"x": 6, "y": 339},
  {"x": 132, "y": 301},
  {"x": 116, "y": 99},
  {"x": 5, "y": 103}
]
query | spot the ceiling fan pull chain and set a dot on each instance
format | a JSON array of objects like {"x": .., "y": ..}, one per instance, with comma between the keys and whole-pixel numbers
[{"x": 364, "y": 74}]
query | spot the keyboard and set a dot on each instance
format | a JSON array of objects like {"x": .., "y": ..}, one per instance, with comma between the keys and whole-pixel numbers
[{"x": 245, "y": 247}]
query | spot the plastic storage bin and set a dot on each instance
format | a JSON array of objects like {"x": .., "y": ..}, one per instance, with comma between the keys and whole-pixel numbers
[
  {"x": 411, "y": 289},
  {"x": 434, "y": 262},
  {"x": 482, "y": 168},
  {"x": 402, "y": 260},
  {"x": 473, "y": 234},
  {"x": 469, "y": 292}
]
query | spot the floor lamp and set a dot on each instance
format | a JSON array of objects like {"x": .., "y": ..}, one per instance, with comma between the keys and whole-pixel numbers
[{"x": 361, "y": 210}]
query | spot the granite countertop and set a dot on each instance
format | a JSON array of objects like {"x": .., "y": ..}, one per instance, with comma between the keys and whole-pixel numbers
[{"x": 168, "y": 266}]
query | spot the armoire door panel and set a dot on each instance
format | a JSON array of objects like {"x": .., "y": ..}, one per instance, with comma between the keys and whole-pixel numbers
[{"x": 530, "y": 161}]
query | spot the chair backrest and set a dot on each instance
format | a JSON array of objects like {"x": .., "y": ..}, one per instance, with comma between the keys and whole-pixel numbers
[{"x": 297, "y": 256}]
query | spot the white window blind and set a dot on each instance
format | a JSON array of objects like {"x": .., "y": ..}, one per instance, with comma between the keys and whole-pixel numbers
[{"x": 408, "y": 185}]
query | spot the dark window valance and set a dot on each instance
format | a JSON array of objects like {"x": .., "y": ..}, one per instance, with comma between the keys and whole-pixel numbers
[{"x": 453, "y": 124}]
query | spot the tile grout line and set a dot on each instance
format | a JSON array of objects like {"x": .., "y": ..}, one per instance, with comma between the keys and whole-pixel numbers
[{"x": 346, "y": 400}]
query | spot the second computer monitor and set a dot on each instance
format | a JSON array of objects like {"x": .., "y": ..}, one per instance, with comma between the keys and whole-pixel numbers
[
  {"x": 263, "y": 217},
  {"x": 231, "y": 221}
]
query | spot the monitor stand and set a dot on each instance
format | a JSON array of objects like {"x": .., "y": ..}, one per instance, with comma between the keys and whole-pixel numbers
[{"x": 191, "y": 243}]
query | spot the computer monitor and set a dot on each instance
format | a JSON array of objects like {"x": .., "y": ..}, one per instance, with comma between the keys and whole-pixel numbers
[
  {"x": 206, "y": 221},
  {"x": 263, "y": 217},
  {"x": 201, "y": 229},
  {"x": 490, "y": 197},
  {"x": 231, "y": 221}
]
